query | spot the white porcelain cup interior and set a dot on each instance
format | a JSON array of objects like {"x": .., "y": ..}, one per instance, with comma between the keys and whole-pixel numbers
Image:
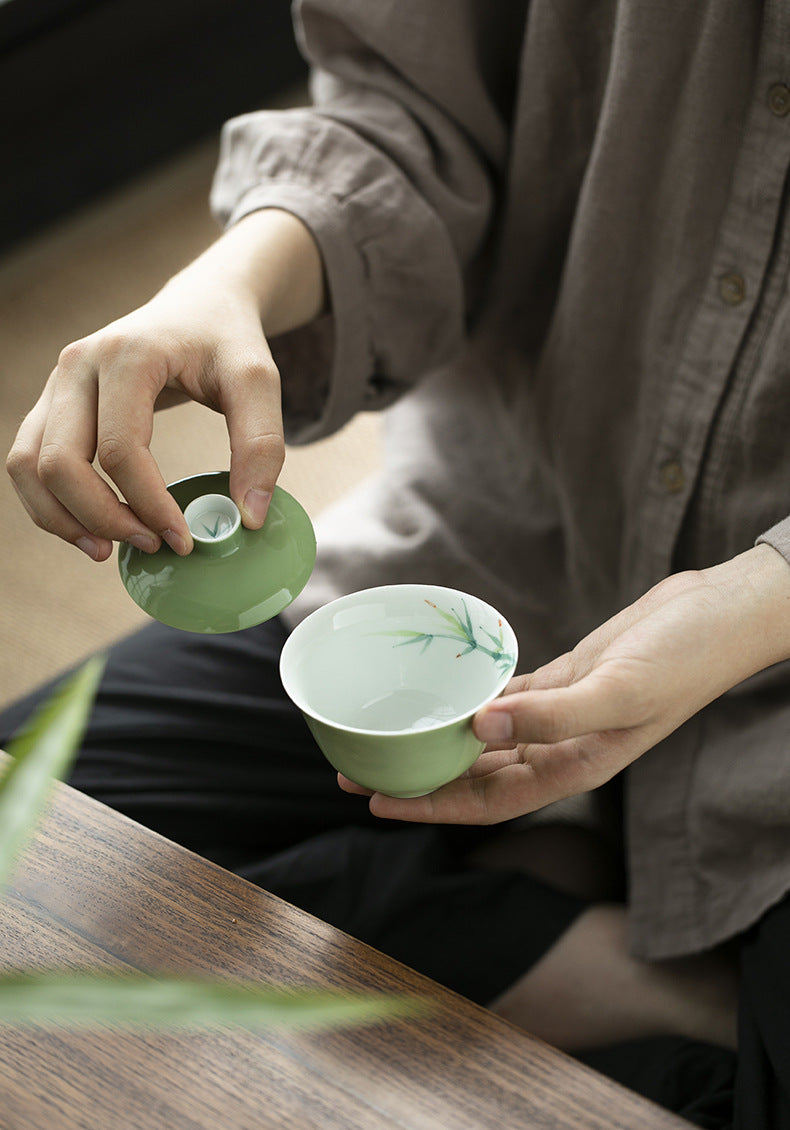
[
  {"x": 212, "y": 518},
  {"x": 398, "y": 658}
]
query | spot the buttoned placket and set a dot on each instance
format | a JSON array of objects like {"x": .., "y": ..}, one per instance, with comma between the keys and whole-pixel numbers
[
  {"x": 704, "y": 372},
  {"x": 716, "y": 332}
]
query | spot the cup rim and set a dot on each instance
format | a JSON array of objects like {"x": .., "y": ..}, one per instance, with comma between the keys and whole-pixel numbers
[{"x": 348, "y": 598}]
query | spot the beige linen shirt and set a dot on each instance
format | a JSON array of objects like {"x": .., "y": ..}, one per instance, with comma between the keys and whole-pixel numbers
[{"x": 556, "y": 239}]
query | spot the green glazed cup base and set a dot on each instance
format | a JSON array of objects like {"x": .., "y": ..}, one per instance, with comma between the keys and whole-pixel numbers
[{"x": 426, "y": 761}]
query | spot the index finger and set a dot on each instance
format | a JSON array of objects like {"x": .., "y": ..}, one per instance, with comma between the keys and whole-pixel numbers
[
  {"x": 65, "y": 466},
  {"x": 125, "y": 427},
  {"x": 502, "y": 784},
  {"x": 508, "y": 792}
]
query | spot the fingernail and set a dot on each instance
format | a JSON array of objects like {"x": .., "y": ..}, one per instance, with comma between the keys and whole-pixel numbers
[
  {"x": 89, "y": 546},
  {"x": 176, "y": 542},
  {"x": 256, "y": 505},
  {"x": 146, "y": 542},
  {"x": 495, "y": 726}
]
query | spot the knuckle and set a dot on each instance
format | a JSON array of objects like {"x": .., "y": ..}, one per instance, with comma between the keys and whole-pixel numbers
[
  {"x": 258, "y": 370},
  {"x": 51, "y": 466},
  {"x": 112, "y": 452},
  {"x": 268, "y": 449},
  {"x": 112, "y": 344},
  {"x": 120, "y": 348},
  {"x": 44, "y": 523},
  {"x": 20, "y": 462},
  {"x": 103, "y": 527},
  {"x": 246, "y": 377},
  {"x": 73, "y": 354}
]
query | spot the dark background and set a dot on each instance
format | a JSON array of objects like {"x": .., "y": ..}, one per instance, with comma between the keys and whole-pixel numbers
[{"x": 93, "y": 92}]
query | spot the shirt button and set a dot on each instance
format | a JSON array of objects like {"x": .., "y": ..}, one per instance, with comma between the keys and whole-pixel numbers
[
  {"x": 732, "y": 289},
  {"x": 672, "y": 476},
  {"x": 779, "y": 99}
]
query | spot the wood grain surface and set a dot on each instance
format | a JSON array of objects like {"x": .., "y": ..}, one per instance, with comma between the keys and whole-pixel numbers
[{"x": 98, "y": 891}]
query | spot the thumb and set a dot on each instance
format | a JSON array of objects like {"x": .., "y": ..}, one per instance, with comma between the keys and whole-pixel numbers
[
  {"x": 253, "y": 414},
  {"x": 598, "y": 702}
]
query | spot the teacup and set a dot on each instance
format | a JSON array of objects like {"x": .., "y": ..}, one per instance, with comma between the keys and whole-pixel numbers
[{"x": 389, "y": 678}]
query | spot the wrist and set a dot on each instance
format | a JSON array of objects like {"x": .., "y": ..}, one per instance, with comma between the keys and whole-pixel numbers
[
  {"x": 270, "y": 259},
  {"x": 282, "y": 266},
  {"x": 754, "y": 589}
]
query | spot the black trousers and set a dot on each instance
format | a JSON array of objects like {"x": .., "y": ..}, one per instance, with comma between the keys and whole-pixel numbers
[{"x": 194, "y": 737}]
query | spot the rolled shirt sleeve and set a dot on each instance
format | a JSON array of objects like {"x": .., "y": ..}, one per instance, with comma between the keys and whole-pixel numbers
[
  {"x": 778, "y": 537},
  {"x": 394, "y": 171}
]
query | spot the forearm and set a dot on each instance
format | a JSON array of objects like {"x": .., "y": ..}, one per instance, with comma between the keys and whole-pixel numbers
[{"x": 271, "y": 257}]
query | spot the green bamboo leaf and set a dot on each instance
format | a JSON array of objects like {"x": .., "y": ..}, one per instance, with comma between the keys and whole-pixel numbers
[
  {"x": 41, "y": 752},
  {"x": 453, "y": 619},
  {"x": 421, "y": 638},
  {"x": 498, "y": 641},
  {"x": 137, "y": 1000},
  {"x": 469, "y": 627},
  {"x": 403, "y": 632}
]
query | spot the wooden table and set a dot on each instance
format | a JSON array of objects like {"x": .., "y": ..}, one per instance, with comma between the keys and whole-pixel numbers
[{"x": 97, "y": 890}]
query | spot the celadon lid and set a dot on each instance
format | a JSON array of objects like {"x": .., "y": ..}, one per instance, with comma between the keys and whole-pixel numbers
[{"x": 234, "y": 578}]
